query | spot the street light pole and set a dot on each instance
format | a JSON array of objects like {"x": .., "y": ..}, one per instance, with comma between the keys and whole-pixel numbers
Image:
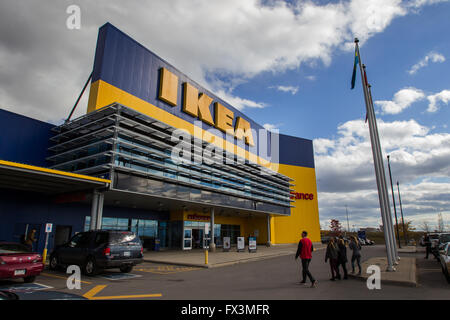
[
  {"x": 405, "y": 235},
  {"x": 393, "y": 200},
  {"x": 348, "y": 224}
]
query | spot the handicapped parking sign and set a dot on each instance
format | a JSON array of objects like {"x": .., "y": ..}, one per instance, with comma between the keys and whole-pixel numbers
[{"x": 48, "y": 227}]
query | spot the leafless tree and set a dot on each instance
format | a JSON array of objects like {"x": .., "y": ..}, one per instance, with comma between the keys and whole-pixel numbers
[{"x": 425, "y": 226}]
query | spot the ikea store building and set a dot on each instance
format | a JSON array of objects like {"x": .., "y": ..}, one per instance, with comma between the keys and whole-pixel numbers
[{"x": 156, "y": 154}]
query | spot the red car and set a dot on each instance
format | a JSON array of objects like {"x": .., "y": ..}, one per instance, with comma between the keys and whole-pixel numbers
[{"x": 17, "y": 261}]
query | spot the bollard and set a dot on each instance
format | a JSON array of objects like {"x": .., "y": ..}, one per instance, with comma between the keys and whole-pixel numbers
[
  {"x": 44, "y": 256},
  {"x": 206, "y": 256}
]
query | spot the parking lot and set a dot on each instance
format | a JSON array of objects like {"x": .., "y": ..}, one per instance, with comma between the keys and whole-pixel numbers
[{"x": 275, "y": 278}]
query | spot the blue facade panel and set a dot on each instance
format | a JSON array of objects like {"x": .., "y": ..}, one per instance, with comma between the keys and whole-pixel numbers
[
  {"x": 296, "y": 151},
  {"x": 39, "y": 210},
  {"x": 23, "y": 139}
]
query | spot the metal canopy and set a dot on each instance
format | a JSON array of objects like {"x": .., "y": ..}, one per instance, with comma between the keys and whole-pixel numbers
[
  {"x": 42, "y": 180},
  {"x": 127, "y": 199}
]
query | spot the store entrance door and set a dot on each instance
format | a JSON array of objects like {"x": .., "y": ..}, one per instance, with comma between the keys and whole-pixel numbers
[
  {"x": 187, "y": 239},
  {"x": 198, "y": 238}
]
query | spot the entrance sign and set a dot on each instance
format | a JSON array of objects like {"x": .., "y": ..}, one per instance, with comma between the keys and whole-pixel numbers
[
  {"x": 240, "y": 244},
  {"x": 226, "y": 243},
  {"x": 252, "y": 244}
]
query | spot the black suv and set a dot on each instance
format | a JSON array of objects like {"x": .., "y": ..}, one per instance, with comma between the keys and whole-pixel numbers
[{"x": 100, "y": 249}]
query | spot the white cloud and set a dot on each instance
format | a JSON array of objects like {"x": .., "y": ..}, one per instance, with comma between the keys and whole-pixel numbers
[
  {"x": 272, "y": 127},
  {"x": 443, "y": 96},
  {"x": 208, "y": 40},
  {"x": 402, "y": 100},
  {"x": 430, "y": 57},
  {"x": 345, "y": 171},
  {"x": 237, "y": 102},
  {"x": 291, "y": 89}
]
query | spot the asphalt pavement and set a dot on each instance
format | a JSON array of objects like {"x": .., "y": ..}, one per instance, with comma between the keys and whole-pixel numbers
[{"x": 275, "y": 278}]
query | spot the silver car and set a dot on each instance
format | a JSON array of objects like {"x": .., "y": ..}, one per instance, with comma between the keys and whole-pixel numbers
[{"x": 444, "y": 258}]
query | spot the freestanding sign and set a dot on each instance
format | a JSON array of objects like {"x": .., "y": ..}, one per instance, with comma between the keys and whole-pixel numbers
[
  {"x": 252, "y": 244},
  {"x": 226, "y": 243},
  {"x": 48, "y": 229},
  {"x": 240, "y": 244}
]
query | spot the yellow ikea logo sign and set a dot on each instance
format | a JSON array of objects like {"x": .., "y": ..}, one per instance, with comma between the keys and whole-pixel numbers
[{"x": 197, "y": 105}]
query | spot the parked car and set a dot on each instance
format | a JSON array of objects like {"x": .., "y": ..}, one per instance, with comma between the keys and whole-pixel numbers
[
  {"x": 100, "y": 249},
  {"x": 444, "y": 258},
  {"x": 370, "y": 242},
  {"x": 7, "y": 295},
  {"x": 18, "y": 261},
  {"x": 444, "y": 238}
]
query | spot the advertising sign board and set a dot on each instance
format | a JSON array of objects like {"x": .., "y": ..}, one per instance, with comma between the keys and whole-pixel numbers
[
  {"x": 226, "y": 243},
  {"x": 252, "y": 244},
  {"x": 240, "y": 244}
]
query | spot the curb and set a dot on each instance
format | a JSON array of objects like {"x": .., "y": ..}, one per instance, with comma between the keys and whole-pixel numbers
[
  {"x": 405, "y": 283},
  {"x": 223, "y": 264}
]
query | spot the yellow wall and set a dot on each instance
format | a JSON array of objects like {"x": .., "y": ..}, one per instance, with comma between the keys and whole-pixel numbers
[
  {"x": 305, "y": 215},
  {"x": 248, "y": 225}
]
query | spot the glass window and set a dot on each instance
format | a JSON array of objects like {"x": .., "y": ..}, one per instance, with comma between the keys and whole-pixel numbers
[{"x": 101, "y": 238}]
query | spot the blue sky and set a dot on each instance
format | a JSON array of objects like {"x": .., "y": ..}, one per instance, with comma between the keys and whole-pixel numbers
[{"x": 246, "y": 52}]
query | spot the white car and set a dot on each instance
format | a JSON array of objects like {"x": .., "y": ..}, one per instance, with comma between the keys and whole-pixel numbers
[
  {"x": 444, "y": 258},
  {"x": 362, "y": 241}
]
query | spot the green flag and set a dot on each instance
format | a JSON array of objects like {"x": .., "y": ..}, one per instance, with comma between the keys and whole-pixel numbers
[{"x": 354, "y": 69}]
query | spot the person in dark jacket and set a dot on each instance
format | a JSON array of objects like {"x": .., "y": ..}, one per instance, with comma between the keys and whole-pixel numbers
[
  {"x": 355, "y": 246},
  {"x": 427, "y": 242},
  {"x": 342, "y": 257},
  {"x": 304, "y": 250},
  {"x": 332, "y": 254}
]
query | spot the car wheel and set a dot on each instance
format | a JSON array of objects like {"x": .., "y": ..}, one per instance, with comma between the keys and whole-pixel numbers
[
  {"x": 126, "y": 269},
  {"x": 29, "y": 279},
  {"x": 90, "y": 267},
  {"x": 53, "y": 264}
]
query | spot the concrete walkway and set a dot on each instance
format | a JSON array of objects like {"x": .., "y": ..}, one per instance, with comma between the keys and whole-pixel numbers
[
  {"x": 407, "y": 249},
  {"x": 196, "y": 257},
  {"x": 405, "y": 274}
]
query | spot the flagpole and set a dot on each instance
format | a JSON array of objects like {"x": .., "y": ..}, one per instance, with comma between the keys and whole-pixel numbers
[
  {"x": 405, "y": 235},
  {"x": 387, "y": 204},
  {"x": 375, "y": 153},
  {"x": 393, "y": 200},
  {"x": 385, "y": 195}
]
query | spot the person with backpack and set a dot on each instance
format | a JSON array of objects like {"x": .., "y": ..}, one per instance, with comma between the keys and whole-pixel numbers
[
  {"x": 304, "y": 250},
  {"x": 355, "y": 246},
  {"x": 332, "y": 254}
]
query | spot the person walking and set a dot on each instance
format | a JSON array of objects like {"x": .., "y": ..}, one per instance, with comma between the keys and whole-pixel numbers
[
  {"x": 342, "y": 257},
  {"x": 304, "y": 250},
  {"x": 332, "y": 254},
  {"x": 31, "y": 238},
  {"x": 355, "y": 246},
  {"x": 427, "y": 242}
]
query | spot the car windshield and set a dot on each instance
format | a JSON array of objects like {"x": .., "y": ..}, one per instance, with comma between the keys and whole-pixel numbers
[
  {"x": 444, "y": 238},
  {"x": 13, "y": 248},
  {"x": 434, "y": 236},
  {"x": 122, "y": 237}
]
